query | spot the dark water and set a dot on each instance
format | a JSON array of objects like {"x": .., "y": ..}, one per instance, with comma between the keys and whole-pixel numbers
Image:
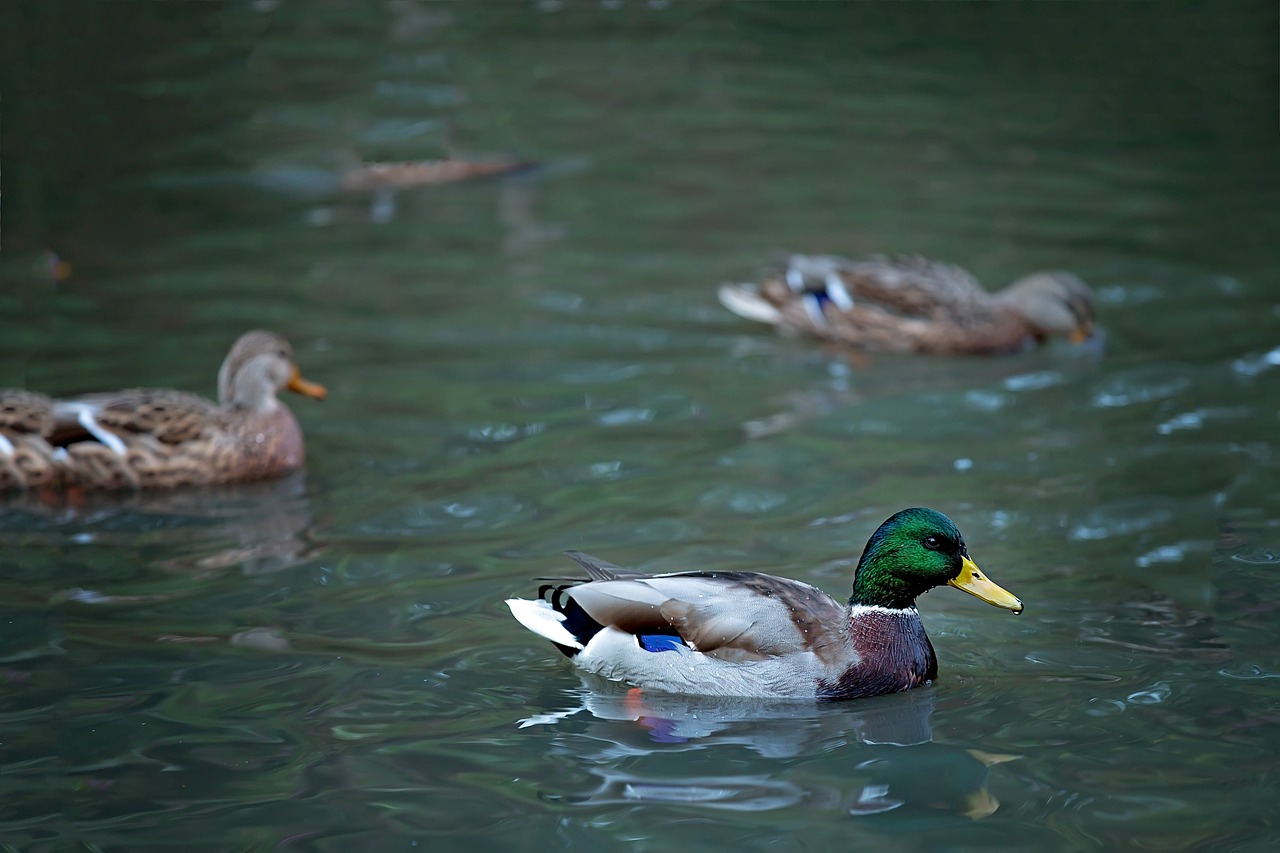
[{"x": 524, "y": 365}]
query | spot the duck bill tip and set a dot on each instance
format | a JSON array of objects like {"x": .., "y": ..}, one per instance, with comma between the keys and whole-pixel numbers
[
  {"x": 973, "y": 581},
  {"x": 305, "y": 387}
]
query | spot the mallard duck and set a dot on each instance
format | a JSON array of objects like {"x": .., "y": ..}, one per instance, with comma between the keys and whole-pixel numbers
[
  {"x": 756, "y": 635},
  {"x": 897, "y": 304},
  {"x": 157, "y": 437}
]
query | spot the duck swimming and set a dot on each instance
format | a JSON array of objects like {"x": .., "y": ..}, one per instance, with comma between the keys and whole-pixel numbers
[
  {"x": 755, "y": 635},
  {"x": 142, "y": 438},
  {"x": 911, "y": 304}
]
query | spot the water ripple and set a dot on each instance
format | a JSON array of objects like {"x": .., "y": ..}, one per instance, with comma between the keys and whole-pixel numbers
[
  {"x": 1249, "y": 672},
  {"x": 475, "y": 512},
  {"x": 1123, "y": 518},
  {"x": 745, "y": 501},
  {"x": 625, "y": 417},
  {"x": 1033, "y": 381},
  {"x": 1140, "y": 386},
  {"x": 985, "y": 401},
  {"x": 1153, "y": 695},
  {"x": 1195, "y": 419},
  {"x": 1174, "y": 553},
  {"x": 1252, "y": 366}
]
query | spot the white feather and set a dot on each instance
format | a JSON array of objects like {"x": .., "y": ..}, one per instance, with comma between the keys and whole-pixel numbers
[
  {"x": 859, "y": 609},
  {"x": 837, "y": 291},
  {"x": 6, "y": 447},
  {"x": 743, "y": 300},
  {"x": 795, "y": 279},
  {"x": 814, "y": 310},
  {"x": 84, "y": 414},
  {"x": 541, "y": 619}
]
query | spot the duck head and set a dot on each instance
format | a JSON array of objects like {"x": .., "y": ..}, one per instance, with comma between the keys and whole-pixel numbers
[
  {"x": 914, "y": 551},
  {"x": 1053, "y": 304},
  {"x": 259, "y": 364}
]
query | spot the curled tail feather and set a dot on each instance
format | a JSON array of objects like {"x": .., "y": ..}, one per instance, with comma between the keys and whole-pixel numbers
[{"x": 745, "y": 301}]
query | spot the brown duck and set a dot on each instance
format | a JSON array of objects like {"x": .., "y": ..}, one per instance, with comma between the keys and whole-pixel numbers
[
  {"x": 146, "y": 438},
  {"x": 901, "y": 304}
]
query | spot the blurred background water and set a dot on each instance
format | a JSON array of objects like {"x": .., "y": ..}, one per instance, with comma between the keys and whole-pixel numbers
[{"x": 537, "y": 362}]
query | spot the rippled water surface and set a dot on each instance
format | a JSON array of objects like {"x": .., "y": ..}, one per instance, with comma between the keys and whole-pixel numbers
[{"x": 528, "y": 364}]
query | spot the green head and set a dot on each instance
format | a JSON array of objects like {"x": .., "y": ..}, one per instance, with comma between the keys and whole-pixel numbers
[{"x": 911, "y": 553}]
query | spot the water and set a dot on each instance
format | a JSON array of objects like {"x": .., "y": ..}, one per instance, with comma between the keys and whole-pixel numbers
[{"x": 530, "y": 364}]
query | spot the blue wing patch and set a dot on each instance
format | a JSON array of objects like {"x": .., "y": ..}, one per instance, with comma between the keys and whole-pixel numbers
[{"x": 660, "y": 642}]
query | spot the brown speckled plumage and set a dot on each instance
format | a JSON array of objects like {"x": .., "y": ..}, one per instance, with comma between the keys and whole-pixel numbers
[
  {"x": 163, "y": 438},
  {"x": 911, "y": 304},
  {"x": 27, "y": 460}
]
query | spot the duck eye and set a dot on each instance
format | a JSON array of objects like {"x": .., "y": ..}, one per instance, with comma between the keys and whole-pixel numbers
[{"x": 933, "y": 543}]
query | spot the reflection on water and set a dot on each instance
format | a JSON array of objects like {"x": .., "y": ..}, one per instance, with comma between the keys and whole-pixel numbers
[
  {"x": 776, "y": 729},
  {"x": 878, "y": 773},
  {"x": 254, "y": 528},
  {"x": 537, "y": 362}
]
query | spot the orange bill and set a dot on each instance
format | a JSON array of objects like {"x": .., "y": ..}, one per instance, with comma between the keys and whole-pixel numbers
[{"x": 305, "y": 386}]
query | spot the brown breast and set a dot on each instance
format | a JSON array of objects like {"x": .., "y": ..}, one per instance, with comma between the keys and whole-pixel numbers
[{"x": 894, "y": 654}]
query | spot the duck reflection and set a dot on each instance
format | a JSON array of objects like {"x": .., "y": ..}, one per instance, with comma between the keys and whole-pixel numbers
[
  {"x": 851, "y": 381},
  {"x": 772, "y": 729},
  {"x": 951, "y": 782},
  {"x": 864, "y": 758},
  {"x": 260, "y": 527}
]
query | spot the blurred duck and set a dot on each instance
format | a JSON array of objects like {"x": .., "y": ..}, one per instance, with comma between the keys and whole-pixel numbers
[
  {"x": 420, "y": 173},
  {"x": 145, "y": 438},
  {"x": 911, "y": 304},
  {"x": 744, "y": 634}
]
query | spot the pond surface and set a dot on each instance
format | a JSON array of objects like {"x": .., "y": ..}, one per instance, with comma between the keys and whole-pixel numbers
[{"x": 528, "y": 364}]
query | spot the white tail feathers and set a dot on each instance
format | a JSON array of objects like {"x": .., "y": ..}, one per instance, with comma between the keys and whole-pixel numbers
[
  {"x": 745, "y": 301},
  {"x": 84, "y": 414},
  {"x": 541, "y": 619}
]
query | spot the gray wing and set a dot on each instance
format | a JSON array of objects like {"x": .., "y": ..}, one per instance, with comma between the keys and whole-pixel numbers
[
  {"x": 597, "y": 569},
  {"x": 601, "y": 570},
  {"x": 731, "y": 616}
]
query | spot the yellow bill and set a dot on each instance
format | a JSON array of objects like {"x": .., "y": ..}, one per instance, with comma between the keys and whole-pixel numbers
[{"x": 975, "y": 583}]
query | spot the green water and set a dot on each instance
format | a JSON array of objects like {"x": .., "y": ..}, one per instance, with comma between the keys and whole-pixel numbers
[{"x": 525, "y": 365}]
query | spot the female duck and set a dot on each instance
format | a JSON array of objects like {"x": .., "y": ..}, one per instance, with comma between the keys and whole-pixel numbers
[
  {"x": 144, "y": 438},
  {"x": 914, "y": 305},
  {"x": 756, "y": 635}
]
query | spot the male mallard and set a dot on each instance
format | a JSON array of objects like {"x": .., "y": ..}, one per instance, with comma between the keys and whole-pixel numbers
[
  {"x": 748, "y": 634},
  {"x": 158, "y": 437},
  {"x": 914, "y": 305}
]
